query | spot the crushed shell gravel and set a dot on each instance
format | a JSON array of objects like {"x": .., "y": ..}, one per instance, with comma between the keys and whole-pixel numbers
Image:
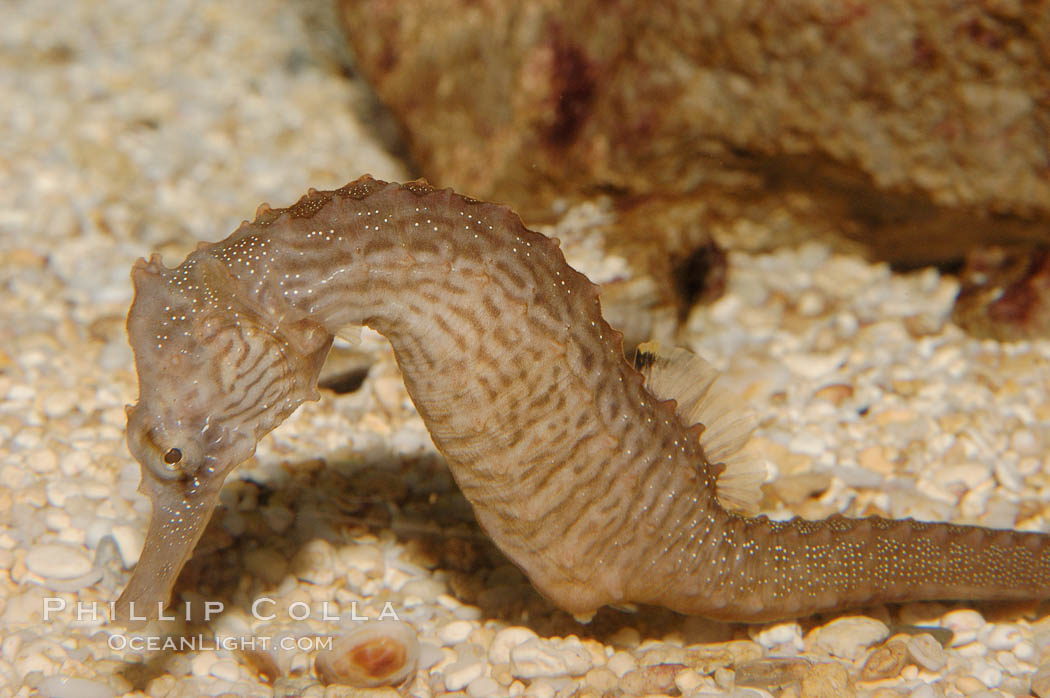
[{"x": 164, "y": 124}]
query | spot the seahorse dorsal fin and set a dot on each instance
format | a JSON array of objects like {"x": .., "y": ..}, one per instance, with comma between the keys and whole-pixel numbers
[
  {"x": 351, "y": 334},
  {"x": 691, "y": 381}
]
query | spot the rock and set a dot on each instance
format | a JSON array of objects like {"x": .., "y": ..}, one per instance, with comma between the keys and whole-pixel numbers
[
  {"x": 798, "y": 487},
  {"x": 483, "y": 687},
  {"x": 506, "y": 640},
  {"x": 1041, "y": 681},
  {"x": 835, "y": 393},
  {"x": 534, "y": 658},
  {"x": 57, "y": 561},
  {"x": 885, "y": 662},
  {"x": 226, "y": 670},
  {"x": 1003, "y": 636},
  {"x": 827, "y": 680},
  {"x": 455, "y": 632},
  {"x": 621, "y": 662},
  {"x": 376, "y": 653},
  {"x": 688, "y": 681},
  {"x": 658, "y": 678},
  {"x": 848, "y": 637},
  {"x": 366, "y": 558},
  {"x": 927, "y": 653},
  {"x": 129, "y": 540},
  {"x": 69, "y": 687},
  {"x": 964, "y": 624},
  {"x": 779, "y": 634},
  {"x": 662, "y": 654},
  {"x": 459, "y": 674},
  {"x": 602, "y": 679},
  {"x": 817, "y": 118},
  {"x": 314, "y": 563},
  {"x": 771, "y": 673}
]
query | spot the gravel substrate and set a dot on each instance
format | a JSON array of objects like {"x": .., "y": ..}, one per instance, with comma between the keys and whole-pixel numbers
[{"x": 130, "y": 127}]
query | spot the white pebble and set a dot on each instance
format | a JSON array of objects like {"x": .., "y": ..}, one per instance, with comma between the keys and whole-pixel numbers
[
  {"x": 396, "y": 578},
  {"x": 1003, "y": 636},
  {"x": 1009, "y": 663},
  {"x": 201, "y": 664},
  {"x": 726, "y": 308},
  {"x": 482, "y": 687},
  {"x": 313, "y": 563},
  {"x": 849, "y": 637},
  {"x": 815, "y": 365},
  {"x": 602, "y": 679},
  {"x": 455, "y": 632},
  {"x": 58, "y": 491},
  {"x": 429, "y": 655},
  {"x": 1025, "y": 443},
  {"x": 54, "y": 561},
  {"x": 226, "y": 670},
  {"x": 129, "y": 542},
  {"x": 927, "y": 652},
  {"x": 1026, "y": 651},
  {"x": 970, "y": 650},
  {"x": 991, "y": 676},
  {"x": 542, "y": 689},
  {"x": 534, "y": 659},
  {"x": 926, "y": 691},
  {"x": 505, "y": 640},
  {"x": 367, "y": 558},
  {"x": 459, "y": 674},
  {"x": 426, "y": 589},
  {"x": 810, "y": 303},
  {"x": 70, "y": 687},
  {"x": 95, "y": 531},
  {"x": 779, "y": 634},
  {"x": 964, "y": 624},
  {"x": 1008, "y": 476},
  {"x": 688, "y": 681},
  {"x": 808, "y": 443},
  {"x": 10, "y": 645},
  {"x": 449, "y": 602},
  {"x": 232, "y": 623},
  {"x": 19, "y": 393},
  {"x": 58, "y": 404},
  {"x": 969, "y": 475},
  {"x": 467, "y": 613},
  {"x": 577, "y": 658},
  {"x": 621, "y": 662}
]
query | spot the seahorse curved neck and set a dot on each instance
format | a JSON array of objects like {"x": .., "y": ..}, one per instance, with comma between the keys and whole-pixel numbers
[{"x": 523, "y": 386}]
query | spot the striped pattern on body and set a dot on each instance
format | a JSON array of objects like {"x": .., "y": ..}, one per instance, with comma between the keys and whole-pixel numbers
[{"x": 586, "y": 480}]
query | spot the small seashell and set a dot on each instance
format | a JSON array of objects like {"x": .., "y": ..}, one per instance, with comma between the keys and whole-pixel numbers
[
  {"x": 381, "y": 653},
  {"x": 263, "y": 663}
]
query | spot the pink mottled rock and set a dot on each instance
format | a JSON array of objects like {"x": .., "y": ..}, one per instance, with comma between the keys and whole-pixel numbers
[
  {"x": 894, "y": 122},
  {"x": 1005, "y": 293}
]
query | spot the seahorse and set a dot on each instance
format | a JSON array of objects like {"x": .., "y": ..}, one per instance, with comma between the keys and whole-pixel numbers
[{"x": 604, "y": 480}]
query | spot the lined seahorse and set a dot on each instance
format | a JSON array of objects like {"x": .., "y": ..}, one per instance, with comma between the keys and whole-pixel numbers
[{"x": 584, "y": 471}]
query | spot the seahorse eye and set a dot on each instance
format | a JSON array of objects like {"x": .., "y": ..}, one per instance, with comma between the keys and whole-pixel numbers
[{"x": 173, "y": 456}]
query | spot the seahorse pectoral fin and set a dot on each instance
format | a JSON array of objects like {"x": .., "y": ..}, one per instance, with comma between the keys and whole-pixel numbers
[
  {"x": 726, "y": 426},
  {"x": 351, "y": 334},
  {"x": 176, "y": 524}
]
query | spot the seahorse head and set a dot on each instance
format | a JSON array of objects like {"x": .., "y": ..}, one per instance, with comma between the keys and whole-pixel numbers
[{"x": 217, "y": 371}]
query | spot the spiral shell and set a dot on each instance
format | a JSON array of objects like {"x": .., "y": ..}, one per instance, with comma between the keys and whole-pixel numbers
[{"x": 380, "y": 653}]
